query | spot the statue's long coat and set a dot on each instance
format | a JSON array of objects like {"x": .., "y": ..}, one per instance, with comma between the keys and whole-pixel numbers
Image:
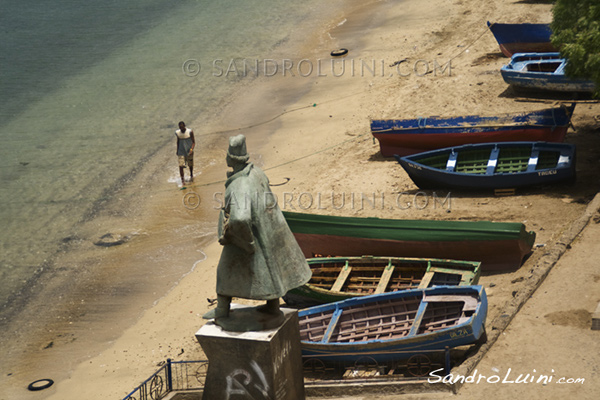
[{"x": 260, "y": 259}]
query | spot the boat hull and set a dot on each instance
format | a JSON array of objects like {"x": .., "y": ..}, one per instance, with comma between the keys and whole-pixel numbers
[
  {"x": 404, "y": 144},
  {"x": 411, "y": 136},
  {"x": 522, "y": 38},
  {"x": 496, "y": 256},
  {"x": 545, "y": 81},
  {"x": 509, "y": 49},
  {"x": 427, "y": 177},
  {"x": 498, "y": 246},
  {"x": 465, "y": 333}
]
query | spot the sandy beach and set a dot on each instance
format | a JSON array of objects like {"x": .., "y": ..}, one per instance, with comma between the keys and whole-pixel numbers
[{"x": 132, "y": 310}]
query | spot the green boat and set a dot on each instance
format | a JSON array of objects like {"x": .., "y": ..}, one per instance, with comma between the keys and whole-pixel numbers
[
  {"x": 499, "y": 246},
  {"x": 340, "y": 278}
]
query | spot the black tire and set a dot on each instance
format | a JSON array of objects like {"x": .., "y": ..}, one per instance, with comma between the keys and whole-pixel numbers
[
  {"x": 339, "y": 53},
  {"x": 40, "y": 384}
]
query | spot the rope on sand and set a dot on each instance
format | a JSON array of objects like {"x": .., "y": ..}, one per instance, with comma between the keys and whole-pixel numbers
[
  {"x": 258, "y": 123},
  {"x": 293, "y": 160},
  {"x": 470, "y": 44},
  {"x": 313, "y": 105}
]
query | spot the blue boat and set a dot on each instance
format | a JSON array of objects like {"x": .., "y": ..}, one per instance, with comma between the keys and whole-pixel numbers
[
  {"x": 522, "y": 38},
  {"x": 492, "y": 165},
  {"x": 394, "y": 326},
  {"x": 543, "y": 71},
  {"x": 410, "y": 136}
]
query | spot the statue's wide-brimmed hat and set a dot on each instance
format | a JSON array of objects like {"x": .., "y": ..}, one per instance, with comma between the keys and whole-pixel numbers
[{"x": 237, "y": 149}]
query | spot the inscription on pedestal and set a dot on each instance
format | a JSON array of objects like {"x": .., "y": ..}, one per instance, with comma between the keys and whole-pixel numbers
[{"x": 253, "y": 365}]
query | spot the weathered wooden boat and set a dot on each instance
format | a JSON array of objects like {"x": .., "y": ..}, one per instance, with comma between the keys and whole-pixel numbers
[
  {"x": 410, "y": 136},
  {"x": 492, "y": 165},
  {"x": 499, "y": 246},
  {"x": 522, "y": 38},
  {"x": 542, "y": 71},
  {"x": 391, "y": 326},
  {"x": 340, "y": 278}
]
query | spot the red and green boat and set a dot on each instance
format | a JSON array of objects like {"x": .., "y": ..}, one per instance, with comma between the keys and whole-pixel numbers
[{"x": 499, "y": 246}]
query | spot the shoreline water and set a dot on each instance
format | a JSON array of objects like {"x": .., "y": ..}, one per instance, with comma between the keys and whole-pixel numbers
[
  {"x": 70, "y": 146},
  {"x": 162, "y": 333},
  {"x": 75, "y": 320}
]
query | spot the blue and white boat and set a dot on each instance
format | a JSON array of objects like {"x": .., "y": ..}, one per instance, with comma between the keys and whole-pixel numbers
[
  {"x": 394, "y": 326},
  {"x": 542, "y": 71},
  {"x": 492, "y": 165}
]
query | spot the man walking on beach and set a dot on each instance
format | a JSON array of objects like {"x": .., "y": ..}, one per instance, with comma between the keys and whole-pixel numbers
[{"x": 185, "y": 150}]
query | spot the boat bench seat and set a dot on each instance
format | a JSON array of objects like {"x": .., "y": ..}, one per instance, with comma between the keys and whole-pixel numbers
[
  {"x": 533, "y": 160},
  {"x": 470, "y": 301},
  {"x": 451, "y": 163},
  {"x": 492, "y": 161}
]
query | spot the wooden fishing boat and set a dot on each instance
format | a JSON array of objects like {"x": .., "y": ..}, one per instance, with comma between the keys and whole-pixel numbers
[
  {"x": 522, "y": 38},
  {"x": 410, "y": 136},
  {"x": 543, "y": 71},
  {"x": 492, "y": 165},
  {"x": 340, "y": 278},
  {"x": 396, "y": 325},
  {"x": 499, "y": 246}
]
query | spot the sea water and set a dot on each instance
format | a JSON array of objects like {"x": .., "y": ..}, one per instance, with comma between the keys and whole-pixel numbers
[{"x": 89, "y": 91}]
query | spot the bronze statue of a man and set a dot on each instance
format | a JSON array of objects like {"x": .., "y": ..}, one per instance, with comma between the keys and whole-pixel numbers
[{"x": 261, "y": 259}]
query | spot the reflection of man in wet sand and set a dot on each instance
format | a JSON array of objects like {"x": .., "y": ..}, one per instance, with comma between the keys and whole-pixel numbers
[
  {"x": 261, "y": 259},
  {"x": 185, "y": 150}
]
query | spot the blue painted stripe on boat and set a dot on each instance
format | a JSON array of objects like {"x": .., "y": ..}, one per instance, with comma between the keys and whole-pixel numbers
[
  {"x": 332, "y": 324},
  {"x": 418, "y": 318}
]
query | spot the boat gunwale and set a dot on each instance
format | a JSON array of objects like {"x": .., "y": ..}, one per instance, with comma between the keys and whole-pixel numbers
[
  {"x": 468, "y": 271},
  {"x": 471, "y": 121},
  {"x": 513, "y": 229},
  {"x": 477, "y": 290}
]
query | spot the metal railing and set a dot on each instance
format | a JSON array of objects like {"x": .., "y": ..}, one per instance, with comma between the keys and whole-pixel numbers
[
  {"x": 190, "y": 375},
  {"x": 174, "y": 375},
  {"x": 393, "y": 365}
]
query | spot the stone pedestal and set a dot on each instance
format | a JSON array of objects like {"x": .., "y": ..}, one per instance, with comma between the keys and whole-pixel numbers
[{"x": 253, "y": 365}]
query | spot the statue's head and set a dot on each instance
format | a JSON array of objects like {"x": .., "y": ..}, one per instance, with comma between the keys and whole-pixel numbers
[{"x": 237, "y": 154}]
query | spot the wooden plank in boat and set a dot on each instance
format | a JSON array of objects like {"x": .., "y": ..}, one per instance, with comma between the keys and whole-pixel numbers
[
  {"x": 504, "y": 192},
  {"x": 427, "y": 277},
  {"x": 341, "y": 279},
  {"x": 385, "y": 279},
  {"x": 470, "y": 301}
]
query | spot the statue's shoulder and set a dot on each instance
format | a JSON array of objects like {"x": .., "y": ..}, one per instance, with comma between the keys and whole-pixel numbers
[{"x": 258, "y": 174}]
